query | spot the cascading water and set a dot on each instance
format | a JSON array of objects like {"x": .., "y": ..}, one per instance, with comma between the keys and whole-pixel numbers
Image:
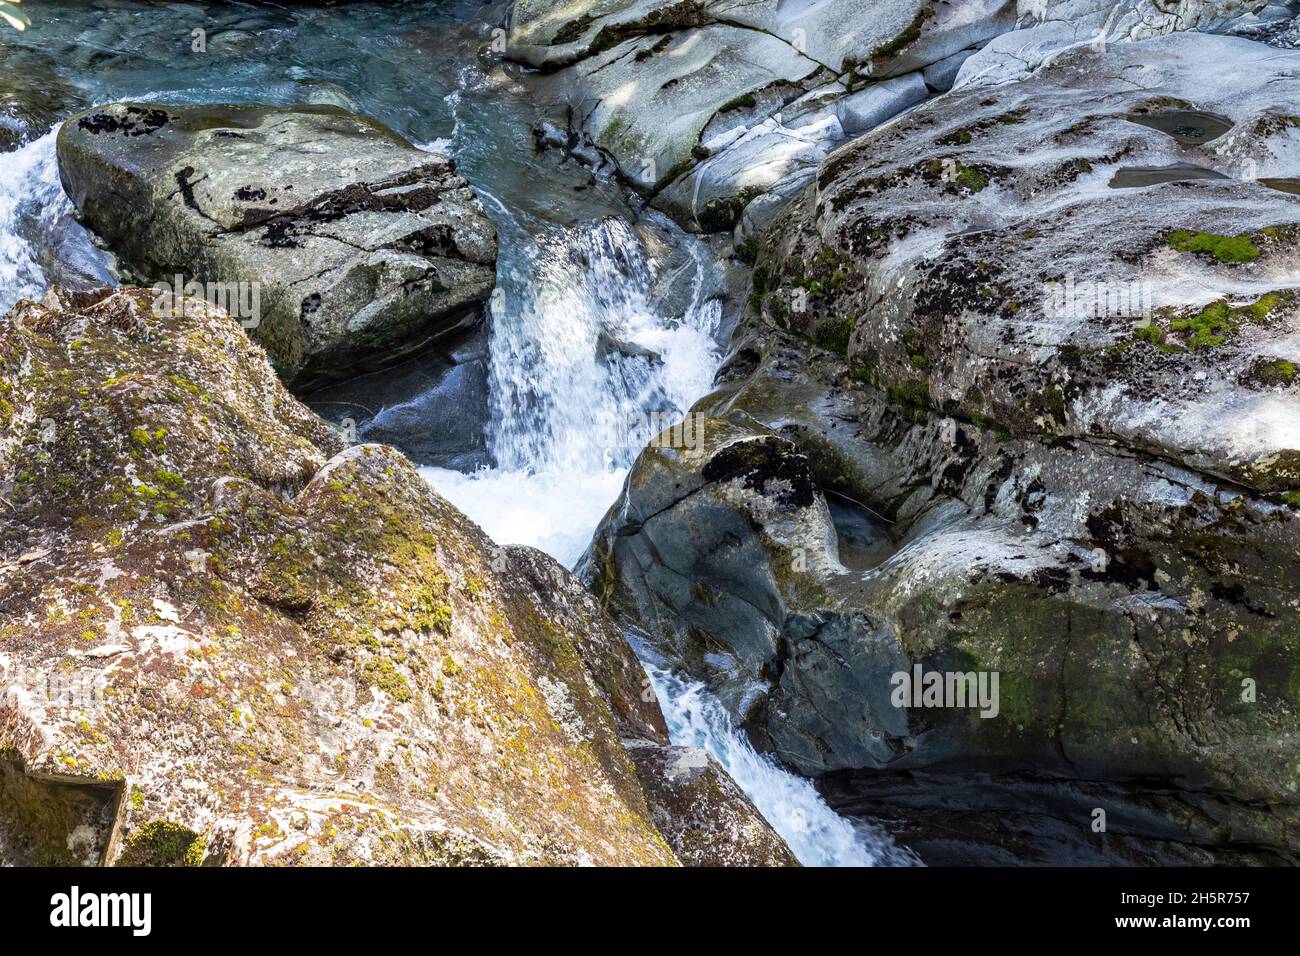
[
  {"x": 40, "y": 242},
  {"x": 816, "y": 834},
  {"x": 589, "y": 355},
  {"x": 572, "y": 398},
  {"x": 29, "y": 193},
  {"x": 582, "y": 366}
]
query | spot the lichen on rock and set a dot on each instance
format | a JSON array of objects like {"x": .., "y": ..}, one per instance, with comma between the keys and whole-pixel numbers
[{"x": 272, "y": 648}]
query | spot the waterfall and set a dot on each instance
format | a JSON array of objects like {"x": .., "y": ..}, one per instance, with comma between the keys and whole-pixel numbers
[
  {"x": 580, "y": 352},
  {"x": 583, "y": 361},
  {"x": 816, "y": 834},
  {"x": 41, "y": 243},
  {"x": 29, "y": 179}
]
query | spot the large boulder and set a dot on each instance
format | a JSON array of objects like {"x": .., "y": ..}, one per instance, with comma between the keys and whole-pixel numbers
[
  {"x": 345, "y": 246},
  {"x": 721, "y": 111},
  {"x": 225, "y": 638},
  {"x": 1016, "y": 396},
  {"x": 708, "y": 106}
]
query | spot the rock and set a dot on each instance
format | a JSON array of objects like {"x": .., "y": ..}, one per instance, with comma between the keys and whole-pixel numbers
[
  {"x": 693, "y": 105},
  {"x": 1072, "y": 450},
  {"x": 941, "y": 76},
  {"x": 347, "y": 247},
  {"x": 699, "y": 103},
  {"x": 435, "y": 408},
  {"x": 31, "y": 99},
  {"x": 707, "y": 106},
  {"x": 1057, "y": 25},
  {"x": 870, "y": 107},
  {"x": 227, "y": 639},
  {"x": 705, "y": 817}
]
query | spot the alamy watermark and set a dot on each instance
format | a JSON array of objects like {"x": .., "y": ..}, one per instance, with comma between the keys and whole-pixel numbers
[
  {"x": 1093, "y": 299},
  {"x": 133, "y": 911},
  {"x": 657, "y": 429},
  {"x": 242, "y": 301},
  {"x": 958, "y": 689}
]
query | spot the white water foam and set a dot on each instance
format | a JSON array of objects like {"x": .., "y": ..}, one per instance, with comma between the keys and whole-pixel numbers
[
  {"x": 555, "y": 512},
  {"x": 29, "y": 180},
  {"x": 815, "y": 833},
  {"x": 580, "y": 354}
]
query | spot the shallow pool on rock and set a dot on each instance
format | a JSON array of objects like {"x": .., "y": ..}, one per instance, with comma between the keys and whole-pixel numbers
[
  {"x": 1189, "y": 127},
  {"x": 1135, "y": 177}
]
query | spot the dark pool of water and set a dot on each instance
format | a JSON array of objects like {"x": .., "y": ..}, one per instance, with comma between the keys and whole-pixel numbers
[
  {"x": 1134, "y": 177},
  {"x": 1189, "y": 127}
]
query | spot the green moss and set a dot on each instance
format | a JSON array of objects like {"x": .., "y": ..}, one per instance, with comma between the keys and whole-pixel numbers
[
  {"x": 1276, "y": 372},
  {"x": 912, "y": 397},
  {"x": 162, "y": 843},
  {"x": 1211, "y": 326},
  {"x": 920, "y": 362},
  {"x": 1207, "y": 328},
  {"x": 747, "y": 251},
  {"x": 1265, "y": 305},
  {"x": 1222, "y": 248},
  {"x": 382, "y": 673},
  {"x": 1054, "y": 403},
  {"x": 834, "y": 334},
  {"x": 573, "y": 30},
  {"x": 745, "y": 101},
  {"x": 1292, "y": 498},
  {"x": 1151, "y": 334},
  {"x": 972, "y": 179},
  {"x": 719, "y": 215},
  {"x": 911, "y": 33}
]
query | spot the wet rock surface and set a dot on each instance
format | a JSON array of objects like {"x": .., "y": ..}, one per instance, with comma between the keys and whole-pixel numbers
[
  {"x": 362, "y": 249},
  {"x": 1095, "y": 503},
  {"x": 721, "y": 111},
  {"x": 233, "y": 640},
  {"x": 435, "y": 408},
  {"x": 704, "y": 816},
  {"x": 708, "y": 106},
  {"x": 31, "y": 101}
]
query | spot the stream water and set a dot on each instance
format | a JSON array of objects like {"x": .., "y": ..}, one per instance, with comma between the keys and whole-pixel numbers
[{"x": 601, "y": 317}]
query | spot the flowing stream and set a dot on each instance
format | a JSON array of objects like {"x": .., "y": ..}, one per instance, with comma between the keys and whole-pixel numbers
[{"x": 603, "y": 324}]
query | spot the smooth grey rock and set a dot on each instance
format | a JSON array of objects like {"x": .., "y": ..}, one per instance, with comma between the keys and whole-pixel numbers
[
  {"x": 868, "y": 108},
  {"x": 362, "y": 248},
  {"x": 1097, "y": 503},
  {"x": 708, "y": 105},
  {"x": 435, "y": 407},
  {"x": 941, "y": 76}
]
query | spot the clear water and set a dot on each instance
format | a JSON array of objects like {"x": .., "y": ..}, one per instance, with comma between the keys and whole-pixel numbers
[
  {"x": 575, "y": 272},
  {"x": 816, "y": 834}
]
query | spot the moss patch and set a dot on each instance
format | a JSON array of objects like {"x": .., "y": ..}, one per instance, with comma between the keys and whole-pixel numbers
[
  {"x": 834, "y": 334},
  {"x": 162, "y": 843},
  {"x": 1222, "y": 248},
  {"x": 1274, "y": 372}
]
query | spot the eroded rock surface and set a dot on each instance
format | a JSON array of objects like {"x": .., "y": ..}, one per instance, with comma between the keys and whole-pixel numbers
[
  {"x": 264, "y": 647},
  {"x": 1094, "y": 499},
  {"x": 722, "y": 110},
  {"x": 363, "y": 248}
]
